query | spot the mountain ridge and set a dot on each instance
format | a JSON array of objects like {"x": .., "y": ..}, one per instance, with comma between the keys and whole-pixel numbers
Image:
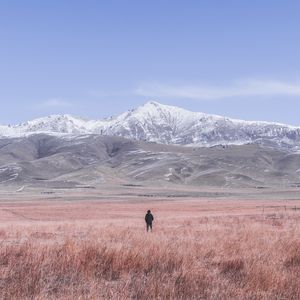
[{"x": 155, "y": 122}]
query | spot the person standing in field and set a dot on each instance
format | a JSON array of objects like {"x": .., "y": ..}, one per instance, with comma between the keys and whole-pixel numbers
[{"x": 149, "y": 219}]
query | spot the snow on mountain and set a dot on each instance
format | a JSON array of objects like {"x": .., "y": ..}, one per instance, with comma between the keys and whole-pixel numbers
[
  {"x": 165, "y": 124},
  {"x": 63, "y": 124}
]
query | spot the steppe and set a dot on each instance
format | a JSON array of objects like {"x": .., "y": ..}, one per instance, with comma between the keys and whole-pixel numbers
[{"x": 207, "y": 243}]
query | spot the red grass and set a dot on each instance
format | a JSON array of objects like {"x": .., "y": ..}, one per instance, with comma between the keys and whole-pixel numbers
[{"x": 188, "y": 256}]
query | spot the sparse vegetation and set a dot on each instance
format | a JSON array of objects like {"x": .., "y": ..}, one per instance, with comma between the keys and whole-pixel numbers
[{"x": 189, "y": 256}]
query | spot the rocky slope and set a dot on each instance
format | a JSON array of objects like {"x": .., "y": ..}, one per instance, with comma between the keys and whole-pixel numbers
[{"x": 92, "y": 160}]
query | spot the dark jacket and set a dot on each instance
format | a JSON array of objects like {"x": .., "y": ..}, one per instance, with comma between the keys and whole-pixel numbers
[{"x": 149, "y": 218}]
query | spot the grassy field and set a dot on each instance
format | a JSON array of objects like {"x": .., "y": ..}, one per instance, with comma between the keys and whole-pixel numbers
[{"x": 199, "y": 249}]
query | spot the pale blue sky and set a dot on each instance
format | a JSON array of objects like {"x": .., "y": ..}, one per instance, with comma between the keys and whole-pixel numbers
[{"x": 99, "y": 58}]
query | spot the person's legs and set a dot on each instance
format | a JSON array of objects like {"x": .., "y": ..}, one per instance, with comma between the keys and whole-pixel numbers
[{"x": 147, "y": 225}]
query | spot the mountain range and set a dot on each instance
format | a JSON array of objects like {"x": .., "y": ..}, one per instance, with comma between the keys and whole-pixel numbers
[
  {"x": 155, "y": 122},
  {"x": 154, "y": 144}
]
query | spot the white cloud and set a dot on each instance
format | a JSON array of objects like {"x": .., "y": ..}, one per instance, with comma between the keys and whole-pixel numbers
[
  {"x": 55, "y": 102},
  {"x": 241, "y": 88}
]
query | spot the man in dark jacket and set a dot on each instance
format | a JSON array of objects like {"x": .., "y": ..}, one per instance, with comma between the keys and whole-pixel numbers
[{"x": 149, "y": 219}]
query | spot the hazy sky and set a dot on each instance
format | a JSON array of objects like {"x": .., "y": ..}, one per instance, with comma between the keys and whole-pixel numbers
[{"x": 99, "y": 58}]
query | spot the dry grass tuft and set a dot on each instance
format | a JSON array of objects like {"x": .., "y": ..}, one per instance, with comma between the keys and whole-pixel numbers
[{"x": 293, "y": 254}]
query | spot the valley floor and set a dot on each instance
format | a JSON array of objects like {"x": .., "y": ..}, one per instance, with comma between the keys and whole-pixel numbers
[{"x": 206, "y": 244}]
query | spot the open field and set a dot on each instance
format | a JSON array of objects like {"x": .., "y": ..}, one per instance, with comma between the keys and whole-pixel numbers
[{"x": 206, "y": 244}]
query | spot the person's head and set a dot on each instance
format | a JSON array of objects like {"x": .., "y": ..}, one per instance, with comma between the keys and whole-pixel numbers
[{"x": 149, "y": 211}]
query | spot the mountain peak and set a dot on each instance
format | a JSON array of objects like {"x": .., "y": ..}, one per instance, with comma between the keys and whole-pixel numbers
[
  {"x": 152, "y": 102},
  {"x": 157, "y": 104},
  {"x": 153, "y": 105}
]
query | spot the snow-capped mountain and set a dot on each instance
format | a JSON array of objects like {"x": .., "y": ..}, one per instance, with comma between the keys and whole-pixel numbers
[{"x": 155, "y": 122}]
